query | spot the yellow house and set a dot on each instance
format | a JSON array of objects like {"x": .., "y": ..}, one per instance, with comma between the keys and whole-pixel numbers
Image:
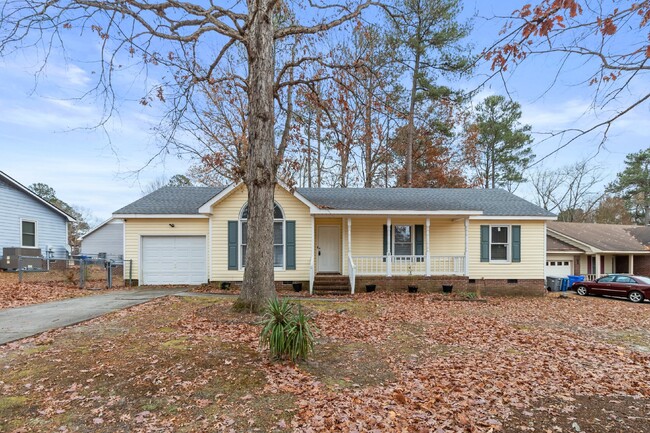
[{"x": 343, "y": 238}]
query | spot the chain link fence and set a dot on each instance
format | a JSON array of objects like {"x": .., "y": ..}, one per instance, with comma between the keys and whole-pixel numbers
[{"x": 83, "y": 271}]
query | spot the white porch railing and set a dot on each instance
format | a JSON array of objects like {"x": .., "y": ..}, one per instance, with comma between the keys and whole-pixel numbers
[
  {"x": 352, "y": 267},
  {"x": 407, "y": 265},
  {"x": 591, "y": 277}
]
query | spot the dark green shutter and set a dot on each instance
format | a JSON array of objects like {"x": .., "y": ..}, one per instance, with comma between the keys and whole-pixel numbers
[
  {"x": 419, "y": 240},
  {"x": 233, "y": 245},
  {"x": 291, "y": 245},
  {"x": 485, "y": 243},
  {"x": 386, "y": 240},
  {"x": 516, "y": 243}
]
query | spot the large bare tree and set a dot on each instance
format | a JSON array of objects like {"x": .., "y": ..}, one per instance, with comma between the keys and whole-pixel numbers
[{"x": 192, "y": 39}]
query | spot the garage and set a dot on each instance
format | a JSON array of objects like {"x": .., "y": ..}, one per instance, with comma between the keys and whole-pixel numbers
[
  {"x": 174, "y": 260},
  {"x": 559, "y": 268}
]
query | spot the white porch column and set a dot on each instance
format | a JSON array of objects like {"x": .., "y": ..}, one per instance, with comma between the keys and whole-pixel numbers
[
  {"x": 312, "y": 261},
  {"x": 466, "y": 267},
  {"x": 428, "y": 254},
  {"x": 389, "y": 260},
  {"x": 598, "y": 268},
  {"x": 630, "y": 268},
  {"x": 349, "y": 237}
]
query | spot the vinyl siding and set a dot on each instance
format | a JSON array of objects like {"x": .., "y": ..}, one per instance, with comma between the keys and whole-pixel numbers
[
  {"x": 135, "y": 228},
  {"x": 108, "y": 239},
  {"x": 533, "y": 256},
  {"x": 229, "y": 208},
  {"x": 16, "y": 205}
]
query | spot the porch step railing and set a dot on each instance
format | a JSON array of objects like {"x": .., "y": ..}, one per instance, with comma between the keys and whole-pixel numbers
[{"x": 408, "y": 265}]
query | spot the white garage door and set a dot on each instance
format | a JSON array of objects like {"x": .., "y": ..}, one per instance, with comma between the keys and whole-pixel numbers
[
  {"x": 173, "y": 260},
  {"x": 559, "y": 268}
]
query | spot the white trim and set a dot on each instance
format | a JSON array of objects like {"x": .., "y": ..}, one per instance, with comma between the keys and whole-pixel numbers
[
  {"x": 36, "y": 196},
  {"x": 508, "y": 259},
  {"x": 466, "y": 224},
  {"x": 26, "y": 220},
  {"x": 335, "y": 212},
  {"x": 209, "y": 246},
  {"x": 124, "y": 252},
  {"x": 427, "y": 271},
  {"x": 157, "y": 215},
  {"x": 546, "y": 254},
  {"x": 412, "y": 233},
  {"x": 514, "y": 218}
]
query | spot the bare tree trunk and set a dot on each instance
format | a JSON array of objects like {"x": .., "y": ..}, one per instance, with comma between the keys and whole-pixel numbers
[
  {"x": 319, "y": 163},
  {"x": 309, "y": 152},
  {"x": 411, "y": 122},
  {"x": 258, "y": 286},
  {"x": 368, "y": 135}
]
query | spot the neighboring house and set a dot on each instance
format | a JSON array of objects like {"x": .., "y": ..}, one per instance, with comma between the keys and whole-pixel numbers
[
  {"x": 107, "y": 240},
  {"x": 27, "y": 220},
  {"x": 388, "y": 237},
  {"x": 593, "y": 250}
]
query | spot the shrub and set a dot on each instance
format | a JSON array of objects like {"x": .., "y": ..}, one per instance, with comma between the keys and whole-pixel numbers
[{"x": 286, "y": 332}]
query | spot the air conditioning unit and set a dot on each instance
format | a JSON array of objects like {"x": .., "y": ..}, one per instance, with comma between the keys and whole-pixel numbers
[{"x": 11, "y": 258}]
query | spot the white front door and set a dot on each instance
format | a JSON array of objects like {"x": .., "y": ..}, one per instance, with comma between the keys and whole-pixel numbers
[{"x": 329, "y": 249}]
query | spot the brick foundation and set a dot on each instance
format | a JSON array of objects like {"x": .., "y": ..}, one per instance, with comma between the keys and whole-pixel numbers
[
  {"x": 280, "y": 286},
  {"x": 400, "y": 283},
  {"x": 642, "y": 265},
  {"x": 515, "y": 287}
]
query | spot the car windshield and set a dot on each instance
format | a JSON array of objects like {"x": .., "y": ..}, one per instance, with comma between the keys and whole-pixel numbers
[{"x": 644, "y": 280}]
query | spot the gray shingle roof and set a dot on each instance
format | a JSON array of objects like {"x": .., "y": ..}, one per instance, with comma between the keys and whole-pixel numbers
[
  {"x": 493, "y": 202},
  {"x": 606, "y": 237},
  {"x": 179, "y": 200}
]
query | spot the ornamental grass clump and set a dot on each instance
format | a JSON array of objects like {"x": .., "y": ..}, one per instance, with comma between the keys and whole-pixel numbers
[{"x": 287, "y": 331}]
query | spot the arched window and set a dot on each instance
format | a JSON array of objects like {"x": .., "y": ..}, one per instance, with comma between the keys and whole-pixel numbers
[{"x": 279, "y": 243}]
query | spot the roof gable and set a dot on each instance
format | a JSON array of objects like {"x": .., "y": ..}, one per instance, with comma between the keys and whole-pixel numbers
[{"x": 19, "y": 186}]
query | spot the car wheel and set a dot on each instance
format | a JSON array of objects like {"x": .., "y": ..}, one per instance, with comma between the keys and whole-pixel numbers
[
  {"x": 635, "y": 296},
  {"x": 581, "y": 290}
]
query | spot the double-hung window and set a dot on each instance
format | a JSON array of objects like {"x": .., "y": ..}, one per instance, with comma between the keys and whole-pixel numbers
[
  {"x": 403, "y": 245},
  {"x": 28, "y": 233},
  {"x": 278, "y": 236},
  {"x": 499, "y": 243}
]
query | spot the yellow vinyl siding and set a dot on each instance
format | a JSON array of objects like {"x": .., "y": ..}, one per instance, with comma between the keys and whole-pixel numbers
[
  {"x": 135, "y": 228},
  {"x": 229, "y": 209},
  {"x": 533, "y": 256}
]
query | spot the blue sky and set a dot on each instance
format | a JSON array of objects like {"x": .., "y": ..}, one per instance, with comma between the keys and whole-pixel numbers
[{"x": 47, "y": 134}]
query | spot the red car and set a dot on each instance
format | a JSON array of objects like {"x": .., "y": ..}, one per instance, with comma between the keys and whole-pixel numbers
[{"x": 633, "y": 287}]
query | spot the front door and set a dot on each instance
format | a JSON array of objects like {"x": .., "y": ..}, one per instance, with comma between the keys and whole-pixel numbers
[{"x": 329, "y": 249}]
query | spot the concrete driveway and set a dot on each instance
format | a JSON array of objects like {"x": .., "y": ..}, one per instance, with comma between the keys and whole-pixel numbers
[{"x": 21, "y": 322}]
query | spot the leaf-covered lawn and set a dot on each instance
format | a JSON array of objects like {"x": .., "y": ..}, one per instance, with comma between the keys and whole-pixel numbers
[
  {"x": 42, "y": 287},
  {"x": 382, "y": 363}
]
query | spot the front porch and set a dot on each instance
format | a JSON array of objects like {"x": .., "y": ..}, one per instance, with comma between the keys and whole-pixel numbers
[{"x": 395, "y": 247}]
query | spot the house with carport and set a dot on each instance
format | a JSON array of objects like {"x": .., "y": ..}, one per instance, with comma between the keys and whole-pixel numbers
[{"x": 389, "y": 237}]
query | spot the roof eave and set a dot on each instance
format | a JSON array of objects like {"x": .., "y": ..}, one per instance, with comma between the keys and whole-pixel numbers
[
  {"x": 36, "y": 196},
  {"x": 153, "y": 215}
]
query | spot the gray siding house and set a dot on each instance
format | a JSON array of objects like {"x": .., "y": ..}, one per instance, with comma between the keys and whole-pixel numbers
[
  {"x": 107, "y": 238},
  {"x": 26, "y": 220}
]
